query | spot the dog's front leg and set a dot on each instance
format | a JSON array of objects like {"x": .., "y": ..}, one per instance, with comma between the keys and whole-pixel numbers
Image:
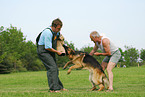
[
  {"x": 67, "y": 64},
  {"x": 70, "y": 62},
  {"x": 74, "y": 67}
]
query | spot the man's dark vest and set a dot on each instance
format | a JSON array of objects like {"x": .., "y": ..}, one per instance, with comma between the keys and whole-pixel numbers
[
  {"x": 54, "y": 41},
  {"x": 54, "y": 38}
]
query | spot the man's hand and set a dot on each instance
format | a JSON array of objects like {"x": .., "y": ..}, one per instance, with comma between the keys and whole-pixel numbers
[
  {"x": 91, "y": 54},
  {"x": 55, "y": 51},
  {"x": 102, "y": 54},
  {"x": 97, "y": 53},
  {"x": 59, "y": 53}
]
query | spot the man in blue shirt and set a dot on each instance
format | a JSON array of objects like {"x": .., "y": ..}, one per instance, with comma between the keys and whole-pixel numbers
[{"x": 46, "y": 49}]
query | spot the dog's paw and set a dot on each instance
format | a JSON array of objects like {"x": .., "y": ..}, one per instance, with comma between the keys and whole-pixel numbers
[
  {"x": 94, "y": 88},
  {"x": 68, "y": 72}
]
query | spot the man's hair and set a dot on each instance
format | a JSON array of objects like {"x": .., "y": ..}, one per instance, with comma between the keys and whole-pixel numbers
[
  {"x": 94, "y": 34},
  {"x": 56, "y": 22}
]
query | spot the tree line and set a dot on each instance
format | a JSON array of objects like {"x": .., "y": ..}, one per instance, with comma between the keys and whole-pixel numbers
[{"x": 17, "y": 54}]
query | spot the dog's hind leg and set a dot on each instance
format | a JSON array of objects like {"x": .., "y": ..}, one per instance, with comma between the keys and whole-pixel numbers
[
  {"x": 101, "y": 86},
  {"x": 91, "y": 80},
  {"x": 98, "y": 79},
  {"x": 106, "y": 82}
]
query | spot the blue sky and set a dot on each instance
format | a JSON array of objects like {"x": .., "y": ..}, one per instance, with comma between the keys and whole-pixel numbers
[{"x": 123, "y": 21}]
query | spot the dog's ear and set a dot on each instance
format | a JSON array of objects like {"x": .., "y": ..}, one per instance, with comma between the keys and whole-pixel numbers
[
  {"x": 72, "y": 52},
  {"x": 66, "y": 49}
]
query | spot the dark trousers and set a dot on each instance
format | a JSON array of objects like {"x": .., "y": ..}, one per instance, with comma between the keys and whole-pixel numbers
[{"x": 52, "y": 70}]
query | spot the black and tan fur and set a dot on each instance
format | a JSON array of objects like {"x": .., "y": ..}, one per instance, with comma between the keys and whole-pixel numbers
[{"x": 85, "y": 61}]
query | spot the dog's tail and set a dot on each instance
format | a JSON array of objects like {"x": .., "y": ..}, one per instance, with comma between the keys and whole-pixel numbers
[{"x": 106, "y": 81}]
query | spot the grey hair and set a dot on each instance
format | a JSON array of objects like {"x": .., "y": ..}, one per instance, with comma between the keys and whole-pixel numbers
[{"x": 95, "y": 34}]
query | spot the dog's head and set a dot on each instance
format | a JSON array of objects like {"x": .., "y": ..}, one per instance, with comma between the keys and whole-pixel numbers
[{"x": 68, "y": 51}]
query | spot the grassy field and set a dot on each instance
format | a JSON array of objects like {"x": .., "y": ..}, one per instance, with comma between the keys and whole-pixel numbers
[{"x": 128, "y": 82}]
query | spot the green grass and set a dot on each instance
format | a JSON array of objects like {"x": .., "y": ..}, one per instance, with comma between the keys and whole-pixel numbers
[{"x": 128, "y": 82}]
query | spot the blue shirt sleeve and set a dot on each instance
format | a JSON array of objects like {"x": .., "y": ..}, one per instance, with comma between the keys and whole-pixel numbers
[{"x": 46, "y": 39}]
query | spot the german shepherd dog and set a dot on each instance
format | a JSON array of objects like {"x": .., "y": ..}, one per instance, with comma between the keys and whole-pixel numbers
[{"x": 84, "y": 60}]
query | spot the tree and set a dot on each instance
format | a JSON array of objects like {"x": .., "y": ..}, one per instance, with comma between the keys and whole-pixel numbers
[
  {"x": 71, "y": 45},
  {"x": 142, "y": 54},
  {"x": 4, "y": 69},
  {"x": 131, "y": 56},
  {"x": 15, "y": 53},
  {"x": 29, "y": 57},
  {"x": 2, "y": 55},
  {"x": 11, "y": 43}
]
